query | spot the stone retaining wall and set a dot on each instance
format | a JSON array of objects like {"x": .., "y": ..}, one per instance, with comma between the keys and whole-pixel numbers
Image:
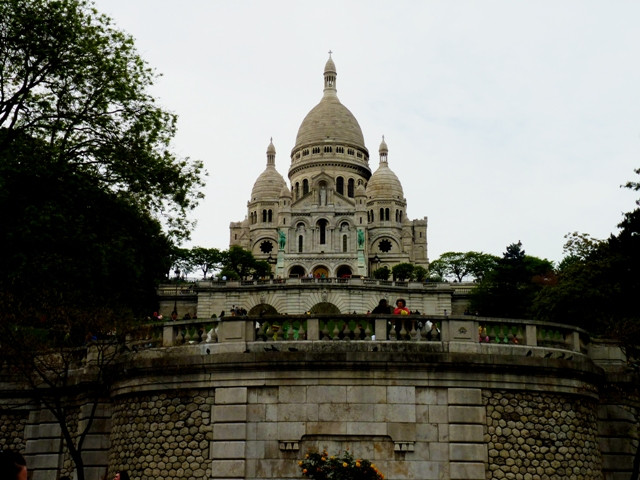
[
  {"x": 165, "y": 435},
  {"x": 538, "y": 436}
]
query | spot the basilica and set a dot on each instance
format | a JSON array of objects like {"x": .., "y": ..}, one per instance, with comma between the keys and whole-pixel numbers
[{"x": 335, "y": 218}]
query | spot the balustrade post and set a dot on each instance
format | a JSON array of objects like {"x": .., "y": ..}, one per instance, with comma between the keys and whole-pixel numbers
[
  {"x": 575, "y": 341},
  {"x": 313, "y": 329},
  {"x": 168, "y": 335},
  {"x": 531, "y": 335},
  {"x": 381, "y": 329}
]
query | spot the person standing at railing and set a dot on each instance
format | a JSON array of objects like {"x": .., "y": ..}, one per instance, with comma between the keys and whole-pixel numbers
[
  {"x": 401, "y": 309},
  {"x": 383, "y": 307}
]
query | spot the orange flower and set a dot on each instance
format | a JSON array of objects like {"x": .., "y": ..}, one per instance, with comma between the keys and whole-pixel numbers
[
  {"x": 304, "y": 471},
  {"x": 358, "y": 463},
  {"x": 345, "y": 464}
]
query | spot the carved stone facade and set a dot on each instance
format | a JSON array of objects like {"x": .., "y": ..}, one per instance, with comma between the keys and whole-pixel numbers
[{"x": 336, "y": 218}]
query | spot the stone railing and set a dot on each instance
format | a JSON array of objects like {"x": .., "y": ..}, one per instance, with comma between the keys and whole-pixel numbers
[
  {"x": 188, "y": 288},
  {"x": 368, "y": 328}
]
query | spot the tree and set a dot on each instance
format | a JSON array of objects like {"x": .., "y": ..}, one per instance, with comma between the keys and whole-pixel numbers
[
  {"x": 420, "y": 273},
  {"x": 86, "y": 175},
  {"x": 462, "y": 264},
  {"x": 71, "y": 80},
  {"x": 382, "y": 273},
  {"x": 205, "y": 259},
  {"x": 239, "y": 263},
  {"x": 403, "y": 271},
  {"x": 510, "y": 288}
]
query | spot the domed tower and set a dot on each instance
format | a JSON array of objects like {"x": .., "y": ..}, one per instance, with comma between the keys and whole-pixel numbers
[
  {"x": 386, "y": 213},
  {"x": 329, "y": 140},
  {"x": 336, "y": 218},
  {"x": 259, "y": 234}
]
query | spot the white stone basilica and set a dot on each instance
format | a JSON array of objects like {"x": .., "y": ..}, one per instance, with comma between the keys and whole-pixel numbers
[{"x": 337, "y": 218}]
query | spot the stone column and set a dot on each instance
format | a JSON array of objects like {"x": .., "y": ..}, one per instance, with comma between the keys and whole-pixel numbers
[
  {"x": 468, "y": 455},
  {"x": 228, "y": 448},
  {"x": 44, "y": 442}
]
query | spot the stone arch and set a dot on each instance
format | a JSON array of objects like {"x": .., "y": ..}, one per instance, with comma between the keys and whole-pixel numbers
[
  {"x": 344, "y": 271},
  {"x": 263, "y": 309},
  {"x": 325, "y": 308},
  {"x": 297, "y": 271},
  {"x": 321, "y": 271}
]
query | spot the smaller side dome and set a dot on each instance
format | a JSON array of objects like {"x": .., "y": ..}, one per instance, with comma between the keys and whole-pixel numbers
[
  {"x": 270, "y": 183},
  {"x": 384, "y": 184}
]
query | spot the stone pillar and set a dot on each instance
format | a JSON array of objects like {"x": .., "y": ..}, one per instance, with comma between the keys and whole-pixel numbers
[
  {"x": 95, "y": 451},
  {"x": 228, "y": 448},
  {"x": 44, "y": 442},
  {"x": 468, "y": 455},
  {"x": 615, "y": 427}
]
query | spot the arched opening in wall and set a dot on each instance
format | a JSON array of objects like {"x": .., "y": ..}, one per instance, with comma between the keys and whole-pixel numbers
[
  {"x": 340, "y": 185},
  {"x": 382, "y": 214},
  {"x": 321, "y": 271},
  {"x": 300, "y": 243},
  {"x": 297, "y": 191},
  {"x": 386, "y": 214},
  {"x": 270, "y": 216},
  {"x": 322, "y": 228},
  {"x": 264, "y": 216},
  {"x": 344, "y": 271},
  {"x": 350, "y": 188},
  {"x": 297, "y": 271},
  {"x": 324, "y": 308},
  {"x": 344, "y": 243},
  {"x": 263, "y": 309},
  {"x": 305, "y": 186}
]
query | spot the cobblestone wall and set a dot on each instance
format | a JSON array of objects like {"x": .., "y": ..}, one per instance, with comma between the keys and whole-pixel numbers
[
  {"x": 12, "y": 425},
  {"x": 541, "y": 436},
  {"x": 162, "y": 436}
]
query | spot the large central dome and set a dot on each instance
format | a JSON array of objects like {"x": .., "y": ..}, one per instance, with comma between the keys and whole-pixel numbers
[{"x": 330, "y": 121}]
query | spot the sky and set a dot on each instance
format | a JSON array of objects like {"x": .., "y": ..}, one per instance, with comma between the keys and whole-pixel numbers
[{"x": 505, "y": 121}]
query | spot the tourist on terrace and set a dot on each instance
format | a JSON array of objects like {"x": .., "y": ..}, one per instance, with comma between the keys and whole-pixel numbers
[{"x": 12, "y": 465}]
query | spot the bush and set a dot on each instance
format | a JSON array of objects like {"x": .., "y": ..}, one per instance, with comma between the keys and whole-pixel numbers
[{"x": 319, "y": 466}]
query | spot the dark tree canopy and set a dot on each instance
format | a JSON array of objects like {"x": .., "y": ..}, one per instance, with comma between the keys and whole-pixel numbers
[
  {"x": 460, "y": 265},
  {"x": 91, "y": 197},
  {"x": 509, "y": 289},
  {"x": 71, "y": 80}
]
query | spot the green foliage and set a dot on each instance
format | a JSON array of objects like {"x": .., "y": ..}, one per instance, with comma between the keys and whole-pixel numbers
[
  {"x": 420, "y": 273},
  {"x": 382, "y": 273},
  {"x": 510, "y": 288},
  {"x": 403, "y": 271},
  {"x": 460, "y": 265},
  {"x": 321, "y": 466},
  {"x": 71, "y": 80},
  {"x": 238, "y": 263},
  {"x": 205, "y": 259}
]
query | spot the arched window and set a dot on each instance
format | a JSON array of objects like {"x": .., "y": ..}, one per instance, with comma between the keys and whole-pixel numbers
[
  {"x": 270, "y": 216},
  {"x": 382, "y": 214},
  {"x": 340, "y": 185},
  {"x": 386, "y": 214},
  {"x": 322, "y": 225},
  {"x": 344, "y": 243},
  {"x": 400, "y": 215},
  {"x": 300, "y": 243},
  {"x": 297, "y": 194},
  {"x": 350, "y": 188},
  {"x": 372, "y": 219},
  {"x": 397, "y": 215},
  {"x": 264, "y": 216},
  {"x": 305, "y": 186}
]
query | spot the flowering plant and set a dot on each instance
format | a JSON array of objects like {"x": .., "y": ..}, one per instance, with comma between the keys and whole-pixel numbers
[{"x": 321, "y": 466}]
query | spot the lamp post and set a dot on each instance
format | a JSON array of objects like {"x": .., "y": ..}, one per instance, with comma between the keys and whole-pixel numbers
[{"x": 376, "y": 261}]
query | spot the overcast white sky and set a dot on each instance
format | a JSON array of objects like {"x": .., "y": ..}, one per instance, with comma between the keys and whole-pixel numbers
[{"x": 505, "y": 120}]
